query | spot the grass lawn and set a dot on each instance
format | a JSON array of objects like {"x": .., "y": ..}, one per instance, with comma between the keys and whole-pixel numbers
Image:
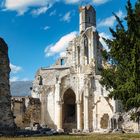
[{"x": 81, "y": 137}]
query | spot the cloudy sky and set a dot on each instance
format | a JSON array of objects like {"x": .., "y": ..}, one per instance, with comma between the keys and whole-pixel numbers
[{"x": 38, "y": 31}]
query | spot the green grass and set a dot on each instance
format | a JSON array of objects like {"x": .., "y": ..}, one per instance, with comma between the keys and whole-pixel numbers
[{"x": 81, "y": 137}]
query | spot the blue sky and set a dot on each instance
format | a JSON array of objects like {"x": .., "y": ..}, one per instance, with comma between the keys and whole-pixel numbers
[{"x": 38, "y": 31}]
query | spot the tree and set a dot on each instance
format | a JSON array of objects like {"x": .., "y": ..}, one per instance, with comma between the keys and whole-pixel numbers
[{"x": 122, "y": 78}]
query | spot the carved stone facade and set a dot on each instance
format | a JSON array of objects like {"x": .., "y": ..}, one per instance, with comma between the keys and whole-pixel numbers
[
  {"x": 70, "y": 93},
  {"x": 6, "y": 116}
]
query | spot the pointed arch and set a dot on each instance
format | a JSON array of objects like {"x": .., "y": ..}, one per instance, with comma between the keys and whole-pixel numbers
[
  {"x": 69, "y": 110},
  {"x": 86, "y": 49}
]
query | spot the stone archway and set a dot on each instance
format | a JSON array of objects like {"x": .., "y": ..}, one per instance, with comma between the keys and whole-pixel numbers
[{"x": 69, "y": 111}]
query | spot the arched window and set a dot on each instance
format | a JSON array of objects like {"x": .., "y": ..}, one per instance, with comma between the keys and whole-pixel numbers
[
  {"x": 40, "y": 79},
  {"x": 62, "y": 62},
  {"x": 78, "y": 49},
  {"x": 86, "y": 53}
]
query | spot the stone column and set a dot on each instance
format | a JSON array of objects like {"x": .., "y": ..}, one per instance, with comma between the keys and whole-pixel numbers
[
  {"x": 86, "y": 105},
  {"x": 43, "y": 111},
  {"x": 86, "y": 115},
  {"x": 82, "y": 57},
  {"x": 59, "y": 116},
  {"x": 89, "y": 50},
  {"x": 97, "y": 114},
  {"x": 92, "y": 46},
  {"x": 58, "y": 106},
  {"x": 79, "y": 122},
  {"x": 73, "y": 55}
]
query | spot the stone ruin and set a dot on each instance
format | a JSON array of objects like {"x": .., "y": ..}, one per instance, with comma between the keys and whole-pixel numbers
[
  {"x": 6, "y": 115},
  {"x": 26, "y": 111},
  {"x": 71, "y": 96},
  {"x": 33, "y": 112}
]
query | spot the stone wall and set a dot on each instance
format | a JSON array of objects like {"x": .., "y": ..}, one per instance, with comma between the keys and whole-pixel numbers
[
  {"x": 6, "y": 116},
  {"x": 19, "y": 108},
  {"x": 33, "y": 112}
]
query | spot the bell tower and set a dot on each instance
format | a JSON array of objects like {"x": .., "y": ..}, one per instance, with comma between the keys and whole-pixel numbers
[{"x": 87, "y": 17}]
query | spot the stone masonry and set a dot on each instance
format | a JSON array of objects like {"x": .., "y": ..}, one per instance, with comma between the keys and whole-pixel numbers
[
  {"x": 26, "y": 111},
  {"x": 6, "y": 116},
  {"x": 71, "y": 96}
]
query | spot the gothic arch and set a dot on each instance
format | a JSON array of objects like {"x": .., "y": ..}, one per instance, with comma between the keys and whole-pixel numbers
[
  {"x": 69, "y": 110},
  {"x": 86, "y": 49},
  {"x": 64, "y": 91}
]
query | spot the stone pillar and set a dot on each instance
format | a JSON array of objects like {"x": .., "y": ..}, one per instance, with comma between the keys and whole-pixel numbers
[
  {"x": 73, "y": 55},
  {"x": 86, "y": 105},
  {"x": 58, "y": 106},
  {"x": 86, "y": 115},
  {"x": 59, "y": 116},
  {"x": 92, "y": 46},
  {"x": 79, "y": 122},
  {"x": 82, "y": 57},
  {"x": 97, "y": 114},
  {"x": 43, "y": 107},
  {"x": 94, "y": 117}
]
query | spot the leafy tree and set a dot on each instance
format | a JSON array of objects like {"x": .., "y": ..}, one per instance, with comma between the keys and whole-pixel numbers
[{"x": 122, "y": 77}]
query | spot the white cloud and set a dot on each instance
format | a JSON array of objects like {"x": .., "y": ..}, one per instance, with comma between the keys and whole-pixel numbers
[
  {"x": 53, "y": 13},
  {"x": 100, "y": 1},
  {"x": 97, "y": 2},
  {"x": 47, "y": 27},
  {"x": 61, "y": 45},
  {"x": 39, "y": 11},
  {"x": 22, "y": 6},
  {"x": 63, "y": 54},
  {"x": 15, "y": 69},
  {"x": 41, "y": 6},
  {"x": 67, "y": 17},
  {"x": 104, "y": 35},
  {"x": 72, "y": 1},
  {"x": 13, "y": 79},
  {"x": 109, "y": 21}
]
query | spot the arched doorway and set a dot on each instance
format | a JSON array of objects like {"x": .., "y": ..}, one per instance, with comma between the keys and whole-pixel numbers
[{"x": 69, "y": 111}]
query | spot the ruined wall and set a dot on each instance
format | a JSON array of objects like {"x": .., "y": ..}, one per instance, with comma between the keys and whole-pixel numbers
[
  {"x": 6, "y": 116},
  {"x": 32, "y": 113},
  {"x": 19, "y": 108}
]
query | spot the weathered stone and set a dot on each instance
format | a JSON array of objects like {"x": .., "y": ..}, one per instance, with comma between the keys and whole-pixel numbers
[
  {"x": 32, "y": 112},
  {"x": 104, "y": 121},
  {"x": 129, "y": 125},
  {"x": 6, "y": 116},
  {"x": 70, "y": 93},
  {"x": 19, "y": 106}
]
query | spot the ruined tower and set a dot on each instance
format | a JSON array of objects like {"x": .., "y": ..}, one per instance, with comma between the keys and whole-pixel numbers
[
  {"x": 87, "y": 17},
  {"x": 6, "y": 116}
]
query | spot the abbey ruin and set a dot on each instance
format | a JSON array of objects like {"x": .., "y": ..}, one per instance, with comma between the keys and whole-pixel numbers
[{"x": 70, "y": 93}]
